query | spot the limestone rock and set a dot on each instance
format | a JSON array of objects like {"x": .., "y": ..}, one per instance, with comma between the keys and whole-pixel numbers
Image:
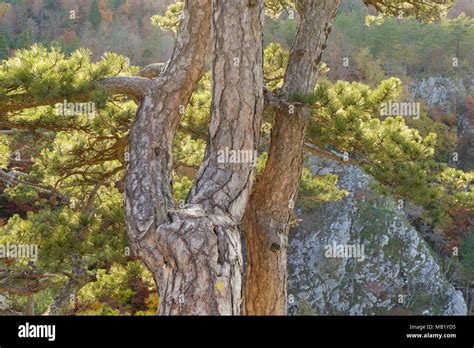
[{"x": 399, "y": 274}]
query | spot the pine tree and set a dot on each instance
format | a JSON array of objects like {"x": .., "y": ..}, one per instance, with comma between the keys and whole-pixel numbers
[
  {"x": 3, "y": 47},
  {"x": 80, "y": 161},
  {"x": 115, "y": 4},
  {"x": 24, "y": 39},
  {"x": 94, "y": 14}
]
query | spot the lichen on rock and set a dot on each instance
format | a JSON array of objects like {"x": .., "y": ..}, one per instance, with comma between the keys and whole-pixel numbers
[{"x": 398, "y": 274}]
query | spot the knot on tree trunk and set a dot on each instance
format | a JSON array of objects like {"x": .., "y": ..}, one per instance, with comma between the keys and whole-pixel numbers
[{"x": 195, "y": 248}]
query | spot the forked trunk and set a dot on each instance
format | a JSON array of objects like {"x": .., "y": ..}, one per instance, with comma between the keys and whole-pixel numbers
[{"x": 194, "y": 251}]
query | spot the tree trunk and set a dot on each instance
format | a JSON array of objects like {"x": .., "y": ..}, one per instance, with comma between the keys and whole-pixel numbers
[
  {"x": 194, "y": 252},
  {"x": 66, "y": 297},
  {"x": 269, "y": 212},
  {"x": 30, "y": 305},
  {"x": 78, "y": 279}
]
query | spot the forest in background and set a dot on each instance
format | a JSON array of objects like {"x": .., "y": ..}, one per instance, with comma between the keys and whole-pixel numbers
[
  {"x": 124, "y": 27},
  {"x": 411, "y": 50},
  {"x": 121, "y": 26}
]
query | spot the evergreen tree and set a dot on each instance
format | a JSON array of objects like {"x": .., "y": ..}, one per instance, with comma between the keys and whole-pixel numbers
[
  {"x": 3, "y": 47},
  {"x": 115, "y": 4},
  {"x": 77, "y": 178},
  {"x": 94, "y": 14},
  {"x": 24, "y": 39},
  {"x": 52, "y": 5}
]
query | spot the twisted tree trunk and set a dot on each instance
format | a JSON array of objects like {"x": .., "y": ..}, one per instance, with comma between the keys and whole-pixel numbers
[
  {"x": 269, "y": 212},
  {"x": 194, "y": 252}
]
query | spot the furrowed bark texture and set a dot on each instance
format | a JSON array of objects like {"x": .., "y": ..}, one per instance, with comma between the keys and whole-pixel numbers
[
  {"x": 194, "y": 252},
  {"x": 268, "y": 214},
  {"x": 148, "y": 186}
]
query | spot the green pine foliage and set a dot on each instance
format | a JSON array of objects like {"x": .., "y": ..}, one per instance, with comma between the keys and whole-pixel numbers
[
  {"x": 3, "y": 47},
  {"x": 274, "y": 65},
  {"x": 317, "y": 189},
  {"x": 72, "y": 182},
  {"x": 4, "y": 151},
  {"x": 422, "y": 10},
  {"x": 24, "y": 40},
  {"x": 116, "y": 292},
  {"x": 466, "y": 255},
  {"x": 347, "y": 120},
  {"x": 274, "y": 8},
  {"x": 170, "y": 20},
  {"x": 406, "y": 46},
  {"x": 45, "y": 74}
]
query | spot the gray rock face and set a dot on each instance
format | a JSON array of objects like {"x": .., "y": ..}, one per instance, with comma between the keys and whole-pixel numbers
[
  {"x": 360, "y": 256},
  {"x": 444, "y": 92},
  {"x": 3, "y": 302},
  {"x": 450, "y": 95}
]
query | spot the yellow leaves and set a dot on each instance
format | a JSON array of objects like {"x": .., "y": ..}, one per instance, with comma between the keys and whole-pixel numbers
[
  {"x": 430, "y": 140},
  {"x": 95, "y": 306},
  {"x": 387, "y": 90},
  {"x": 115, "y": 284},
  {"x": 152, "y": 300}
]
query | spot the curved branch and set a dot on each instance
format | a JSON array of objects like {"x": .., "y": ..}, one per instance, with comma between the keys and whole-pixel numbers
[
  {"x": 20, "y": 102},
  {"x": 16, "y": 290},
  {"x": 327, "y": 154},
  {"x": 133, "y": 86},
  {"x": 152, "y": 71},
  {"x": 148, "y": 183}
]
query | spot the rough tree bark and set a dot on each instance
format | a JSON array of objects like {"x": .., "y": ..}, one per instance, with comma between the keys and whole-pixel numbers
[
  {"x": 268, "y": 214},
  {"x": 194, "y": 251}
]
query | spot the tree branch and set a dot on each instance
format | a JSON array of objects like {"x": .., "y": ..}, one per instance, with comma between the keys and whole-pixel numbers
[
  {"x": 133, "y": 86},
  {"x": 152, "y": 71},
  {"x": 315, "y": 150}
]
